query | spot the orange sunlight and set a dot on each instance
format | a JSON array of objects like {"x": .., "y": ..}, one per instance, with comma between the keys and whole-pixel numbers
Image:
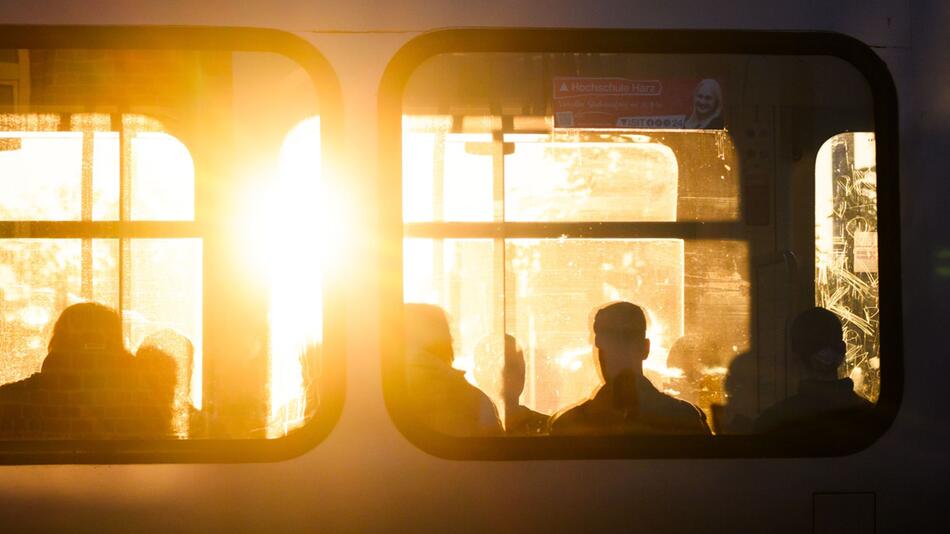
[
  {"x": 449, "y": 177},
  {"x": 292, "y": 242},
  {"x": 43, "y": 173}
]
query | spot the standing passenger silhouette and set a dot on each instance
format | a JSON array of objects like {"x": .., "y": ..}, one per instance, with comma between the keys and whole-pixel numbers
[{"x": 627, "y": 403}]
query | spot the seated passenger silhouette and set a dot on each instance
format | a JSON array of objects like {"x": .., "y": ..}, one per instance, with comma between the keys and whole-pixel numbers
[
  {"x": 87, "y": 335},
  {"x": 508, "y": 382},
  {"x": 156, "y": 370},
  {"x": 737, "y": 414},
  {"x": 698, "y": 357},
  {"x": 163, "y": 351},
  {"x": 627, "y": 403},
  {"x": 439, "y": 394},
  {"x": 89, "y": 387},
  {"x": 824, "y": 403}
]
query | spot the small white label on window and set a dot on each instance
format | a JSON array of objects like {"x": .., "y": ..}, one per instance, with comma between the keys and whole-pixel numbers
[{"x": 865, "y": 252}]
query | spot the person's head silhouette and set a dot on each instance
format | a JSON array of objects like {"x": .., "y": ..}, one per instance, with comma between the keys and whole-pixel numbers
[
  {"x": 427, "y": 330},
  {"x": 87, "y": 326},
  {"x": 620, "y": 339},
  {"x": 176, "y": 346},
  {"x": 817, "y": 338}
]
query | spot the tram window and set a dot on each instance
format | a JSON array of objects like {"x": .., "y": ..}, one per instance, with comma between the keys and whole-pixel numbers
[
  {"x": 846, "y": 252},
  {"x": 75, "y": 176},
  {"x": 612, "y": 244},
  {"x": 143, "y": 293}
]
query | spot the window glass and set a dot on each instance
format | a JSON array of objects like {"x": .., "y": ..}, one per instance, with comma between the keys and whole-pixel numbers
[
  {"x": 44, "y": 172},
  {"x": 38, "y": 186},
  {"x": 631, "y": 255},
  {"x": 569, "y": 175},
  {"x": 451, "y": 180},
  {"x": 165, "y": 297},
  {"x": 162, "y": 275},
  {"x": 7, "y": 94},
  {"x": 846, "y": 253},
  {"x": 617, "y": 179},
  {"x": 162, "y": 174},
  {"x": 38, "y": 277}
]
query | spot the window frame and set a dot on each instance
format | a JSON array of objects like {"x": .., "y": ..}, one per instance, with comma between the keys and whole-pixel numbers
[
  {"x": 327, "y": 88},
  {"x": 392, "y": 231}
]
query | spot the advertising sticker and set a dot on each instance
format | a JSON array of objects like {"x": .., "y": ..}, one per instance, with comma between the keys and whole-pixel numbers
[{"x": 676, "y": 103}]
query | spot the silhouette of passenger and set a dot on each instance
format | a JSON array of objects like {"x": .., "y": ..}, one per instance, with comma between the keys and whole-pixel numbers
[
  {"x": 167, "y": 344},
  {"x": 627, "y": 403},
  {"x": 518, "y": 419},
  {"x": 157, "y": 372},
  {"x": 824, "y": 403},
  {"x": 698, "y": 358},
  {"x": 71, "y": 397},
  {"x": 439, "y": 394},
  {"x": 86, "y": 335},
  {"x": 88, "y": 387},
  {"x": 737, "y": 415}
]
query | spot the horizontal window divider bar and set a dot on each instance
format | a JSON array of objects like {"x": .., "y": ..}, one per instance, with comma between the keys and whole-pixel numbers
[
  {"x": 602, "y": 230},
  {"x": 100, "y": 229}
]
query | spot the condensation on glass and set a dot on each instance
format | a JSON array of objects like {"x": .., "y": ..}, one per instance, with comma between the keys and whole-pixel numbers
[
  {"x": 173, "y": 188},
  {"x": 538, "y": 188}
]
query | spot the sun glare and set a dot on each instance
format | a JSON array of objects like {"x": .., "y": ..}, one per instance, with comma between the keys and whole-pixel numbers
[{"x": 297, "y": 220}]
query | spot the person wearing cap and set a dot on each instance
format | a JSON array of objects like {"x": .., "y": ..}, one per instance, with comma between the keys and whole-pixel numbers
[
  {"x": 824, "y": 403},
  {"x": 627, "y": 403}
]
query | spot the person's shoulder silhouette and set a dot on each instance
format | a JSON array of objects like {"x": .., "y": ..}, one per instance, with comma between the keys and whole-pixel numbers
[
  {"x": 167, "y": 358},
  {"x": 439, "y": 393},
  {"x": 824, "y": 403},
  {"x": 519, "y": 419},
  {"x": 627, "y": 402},
  {"x": 78, "y": 393}
]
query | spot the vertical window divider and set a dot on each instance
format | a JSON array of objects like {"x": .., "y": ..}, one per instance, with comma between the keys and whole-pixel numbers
[
  {"x": 125, "y": 205},
  {"x": 499, "y": 322},
  {"x": 438, "y": 204},
  {"x": 88, "y": 151}
]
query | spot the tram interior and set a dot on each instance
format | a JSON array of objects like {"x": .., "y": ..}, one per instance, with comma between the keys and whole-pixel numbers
[
  {"x": 522, "y": 221},
  {"x": 182, "y": 189}
]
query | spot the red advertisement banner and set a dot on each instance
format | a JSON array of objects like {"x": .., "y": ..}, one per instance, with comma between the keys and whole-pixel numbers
[{"x": 643, "y": 104}]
